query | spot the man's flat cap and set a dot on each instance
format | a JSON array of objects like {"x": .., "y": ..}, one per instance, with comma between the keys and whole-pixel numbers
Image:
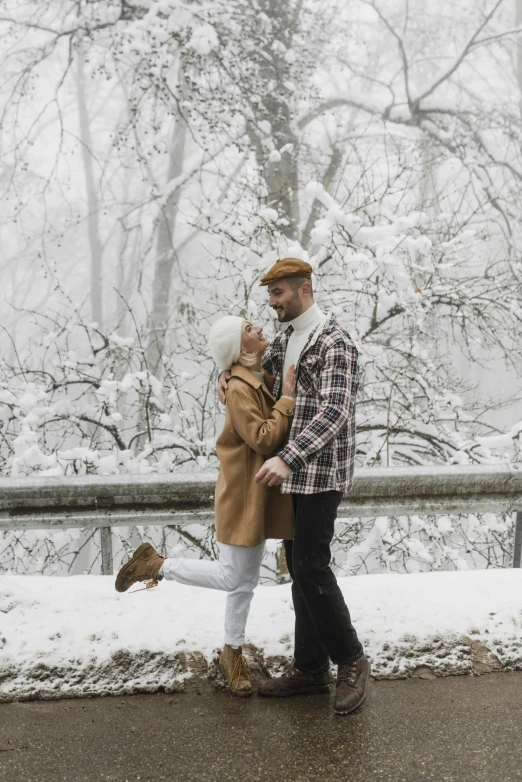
[{"x": 287, "y": 267}]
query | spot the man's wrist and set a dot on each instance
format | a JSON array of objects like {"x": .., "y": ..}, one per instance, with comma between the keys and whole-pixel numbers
[{"x": 291, "y": 458}]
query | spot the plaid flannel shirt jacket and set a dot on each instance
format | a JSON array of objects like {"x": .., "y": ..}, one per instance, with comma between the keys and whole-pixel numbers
[{"x": 321, "y": 444}]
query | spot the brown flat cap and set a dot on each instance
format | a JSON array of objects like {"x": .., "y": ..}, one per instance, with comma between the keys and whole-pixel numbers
[{"x": 287, "y": 267}]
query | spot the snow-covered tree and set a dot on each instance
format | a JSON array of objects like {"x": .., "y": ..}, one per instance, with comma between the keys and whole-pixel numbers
[{"x": 158, "y": 156}]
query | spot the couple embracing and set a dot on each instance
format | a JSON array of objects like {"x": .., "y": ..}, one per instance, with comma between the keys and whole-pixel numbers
[{"x": 287, "y": 457}]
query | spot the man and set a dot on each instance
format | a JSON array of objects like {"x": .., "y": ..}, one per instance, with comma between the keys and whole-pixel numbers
[{"x": 316, "y": 468}]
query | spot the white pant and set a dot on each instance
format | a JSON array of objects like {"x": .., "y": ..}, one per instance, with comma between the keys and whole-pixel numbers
[{"x": 236, "y": 572}]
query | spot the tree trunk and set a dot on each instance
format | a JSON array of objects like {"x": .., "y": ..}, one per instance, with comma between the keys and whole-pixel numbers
[
  {"x": 518, "y": 21},
  {"x": 428, "y": 196},
  {"x": 165, "y": 252},
  {"x": 127, "y": 268},
  {"x": 93, "y": 231},
  {"x": 327, "y": 180},
  {"x": 281, "y": 176}
]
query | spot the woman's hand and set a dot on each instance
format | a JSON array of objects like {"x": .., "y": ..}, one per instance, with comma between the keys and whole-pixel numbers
[
  {"x": 289, "y": 383},
  {"x": 222, "y": 385}
]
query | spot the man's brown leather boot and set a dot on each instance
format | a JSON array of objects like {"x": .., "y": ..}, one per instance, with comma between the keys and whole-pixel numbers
[
  {"x": 352, "y": 685},
  {"x": 143, "y": 566},
  {"x": 296, "y": 682},
  {"x": 236, "y": 671}
]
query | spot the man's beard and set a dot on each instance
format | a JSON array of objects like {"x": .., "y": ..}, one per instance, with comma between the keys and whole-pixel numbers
[{"x": 293, "y": 310}]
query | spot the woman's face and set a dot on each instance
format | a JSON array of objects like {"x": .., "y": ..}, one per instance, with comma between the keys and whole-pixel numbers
[{"x": 252, "y": 339}]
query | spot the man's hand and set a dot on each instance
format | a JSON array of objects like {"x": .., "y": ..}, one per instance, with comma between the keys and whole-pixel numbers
[
  {"x": 273, "y": 472},
  {"x": 222, "y": 385}
]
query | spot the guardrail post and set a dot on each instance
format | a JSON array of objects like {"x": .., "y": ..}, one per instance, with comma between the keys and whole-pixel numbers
[
  {"x": 281, "y": 565},
  {"x": 106, "y": 551},
  {"x": 517, "y": 548}
]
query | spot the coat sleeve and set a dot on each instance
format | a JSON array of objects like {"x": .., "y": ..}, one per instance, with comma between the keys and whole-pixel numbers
[
  {"x": 337, "y": 389},
  {"x": 272, "y": 359},
  {"x": 267, "y": 360},
  {"x": 263, "y": 435}
]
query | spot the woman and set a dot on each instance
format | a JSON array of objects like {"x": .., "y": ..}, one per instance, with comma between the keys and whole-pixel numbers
[{"x": 247, "y": 513}]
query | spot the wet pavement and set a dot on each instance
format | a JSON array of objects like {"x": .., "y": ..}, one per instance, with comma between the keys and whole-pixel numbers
[{"x": 457, "y": 728}]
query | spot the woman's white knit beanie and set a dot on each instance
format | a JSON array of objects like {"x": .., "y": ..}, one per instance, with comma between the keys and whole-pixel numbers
[{"x": 224, "y": 341}]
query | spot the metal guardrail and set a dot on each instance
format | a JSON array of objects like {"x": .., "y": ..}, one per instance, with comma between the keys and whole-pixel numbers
[{"x": 105, "y": 501}]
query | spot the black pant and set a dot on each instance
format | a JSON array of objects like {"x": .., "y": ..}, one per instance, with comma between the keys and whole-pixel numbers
[{"x": 323, "y": 628}]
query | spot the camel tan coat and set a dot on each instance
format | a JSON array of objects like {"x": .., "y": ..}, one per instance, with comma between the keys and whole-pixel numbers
[{"x": 247, "y": 513}]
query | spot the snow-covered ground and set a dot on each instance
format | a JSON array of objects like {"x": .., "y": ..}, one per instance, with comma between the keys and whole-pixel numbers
[{"x": 75, "y": 636}]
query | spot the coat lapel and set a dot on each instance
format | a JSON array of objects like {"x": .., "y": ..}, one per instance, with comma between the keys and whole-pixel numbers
[
  {"x": 245, "y": 374},
  {"x": 314, "y": 336},
  {"x": 282, "y": 342}
]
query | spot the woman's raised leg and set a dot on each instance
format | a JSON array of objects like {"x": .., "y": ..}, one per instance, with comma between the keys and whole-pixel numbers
[
  {"x": 225, "y": 574},
  {"x": 238, "y": 601}
]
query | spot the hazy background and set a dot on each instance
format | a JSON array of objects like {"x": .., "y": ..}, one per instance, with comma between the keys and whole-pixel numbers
[{"x": 158, "y": 156}]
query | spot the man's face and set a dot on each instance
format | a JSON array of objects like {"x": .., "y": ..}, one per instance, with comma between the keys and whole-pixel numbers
[{"x": 286, "y": 302}]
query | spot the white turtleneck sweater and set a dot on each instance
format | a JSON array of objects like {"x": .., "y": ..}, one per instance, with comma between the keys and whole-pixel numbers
[{"x": 304, "y": 324}]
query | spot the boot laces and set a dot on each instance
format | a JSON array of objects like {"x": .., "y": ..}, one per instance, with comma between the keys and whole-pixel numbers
[
  {"x": 239, "y": 669},
  {"x": 346, "y": 673},
  {"x": 153, "y": 582}
]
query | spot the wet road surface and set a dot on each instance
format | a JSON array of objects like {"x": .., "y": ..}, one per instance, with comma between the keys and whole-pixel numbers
[{"x": 458, "y": 728}]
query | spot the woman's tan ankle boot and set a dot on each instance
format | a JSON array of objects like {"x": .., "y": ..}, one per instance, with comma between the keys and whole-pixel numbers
[
  {"x": 144, "y": 565},
  {"x": 235, "y": 669}
]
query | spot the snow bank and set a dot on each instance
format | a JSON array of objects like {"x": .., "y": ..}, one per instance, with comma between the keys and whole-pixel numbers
[{"x": 73, "y": 637}]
